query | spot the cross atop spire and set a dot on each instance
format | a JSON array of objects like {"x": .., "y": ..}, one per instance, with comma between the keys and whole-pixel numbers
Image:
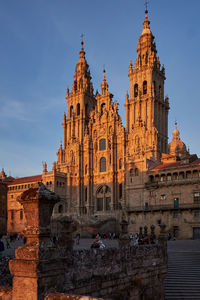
[
  {"x": 146, "y": 7},
  {"x": 82, "y": 43},
  {"x": 104, "y": 84}
]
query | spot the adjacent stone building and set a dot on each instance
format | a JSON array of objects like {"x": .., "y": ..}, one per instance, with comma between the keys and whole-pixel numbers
[
  {"x": 16, "y": 220},
  {"x": 105, "y": 170},
  {"x": 3, "y": 205}
]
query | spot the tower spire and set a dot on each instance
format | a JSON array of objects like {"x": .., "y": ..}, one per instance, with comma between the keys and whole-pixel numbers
[
  {"x": 104, "y": 84},
  {"x": 146, "y": 7},
  {"x": 82, "y": 52}
]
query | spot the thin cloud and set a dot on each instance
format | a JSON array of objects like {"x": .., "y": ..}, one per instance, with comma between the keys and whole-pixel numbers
[{"x": 14, "y": 109}]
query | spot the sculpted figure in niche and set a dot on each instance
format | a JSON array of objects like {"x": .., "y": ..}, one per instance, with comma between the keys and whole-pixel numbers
[
  {"x": 72, "y": 155},
  {"x": 137, "y": 141}
]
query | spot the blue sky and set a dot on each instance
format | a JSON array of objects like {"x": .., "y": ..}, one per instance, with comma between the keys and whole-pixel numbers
[{"x": 39, "y": 48}]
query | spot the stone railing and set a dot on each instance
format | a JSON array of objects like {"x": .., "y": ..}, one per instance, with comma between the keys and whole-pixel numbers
[
  {"x": 164, "y": 207},
  {"x": 42, "y": 269}
]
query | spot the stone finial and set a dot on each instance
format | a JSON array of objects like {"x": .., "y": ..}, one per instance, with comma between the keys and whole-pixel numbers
[
  {"x": 38, "y": 203},
  {"x": 2, "y": 174},
  {"x": 127, "y": 97},
  {"x": 38, "y": 267},
  {"x": 124, "y": 237},
  {"x": 104, "y": 84},
  {"x": 152, "y": 235},
  {"x": 44, "y": 167},
  {"x": 130, "y": 67},
  {"x": 145, "y": 230}
]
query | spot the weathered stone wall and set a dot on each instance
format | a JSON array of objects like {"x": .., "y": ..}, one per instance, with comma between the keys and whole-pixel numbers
[
  {"x": 113, "y": 273},
  {"x": 41, "y": 267}
]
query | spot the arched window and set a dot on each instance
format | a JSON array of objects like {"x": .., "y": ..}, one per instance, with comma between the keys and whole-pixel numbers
[
  {"x": 136, "y": 90},
  {"x": 71, "y": 110},
  {"x": 81, "y": 84},
  {"x": 78, "y": 109},
  {"x": 60, "y": 209},
  {"x": 154, "y": 86},
  {"x": 120, "y": 163},
  {"x": 85, "y": 169},
  {"x": 102, "y": 144},
  {"x": 160, "y": 90},
  {"x": 131, "y": 172},
  {"x": 86, "y": 110},
  {"x": 144, "y": 87},
  {"x": 103, "y": 164},
  {"x": 120, "y": 191},
  {"x": 136, "y": 172},
  {"x": 103, "y": 106},
  {"x": 103, "y": 198},
  {"x": 85, "y": 194}
]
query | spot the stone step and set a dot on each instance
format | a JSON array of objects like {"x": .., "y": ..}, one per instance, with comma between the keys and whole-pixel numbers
[
  {"x": 183, "y": 277},
  {"x": 180, "y": 281}
]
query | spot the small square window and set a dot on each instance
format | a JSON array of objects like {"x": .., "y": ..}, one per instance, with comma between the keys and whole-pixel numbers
[
  {"x": 196, "y": 197},
  {"x": 196, "y": 215}
]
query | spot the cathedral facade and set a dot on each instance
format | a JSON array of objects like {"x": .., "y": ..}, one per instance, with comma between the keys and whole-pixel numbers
[{"x": 104, "y": 169}]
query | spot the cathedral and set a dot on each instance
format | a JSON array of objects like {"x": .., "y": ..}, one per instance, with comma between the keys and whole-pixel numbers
[{"x": 105, "y": 170}]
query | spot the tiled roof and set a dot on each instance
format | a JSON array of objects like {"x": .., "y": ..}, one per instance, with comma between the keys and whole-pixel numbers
[
  {"x": 28, "y": 179},
  {"x": 175, "y": 164},
  {"x": 8, "y": 180}
]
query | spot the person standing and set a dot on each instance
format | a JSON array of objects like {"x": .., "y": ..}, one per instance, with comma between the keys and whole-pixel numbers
[
  {"x": 78, "y": 236},
  {"x": 8, "y": 242},
  {"x": 1, "y": 247}
]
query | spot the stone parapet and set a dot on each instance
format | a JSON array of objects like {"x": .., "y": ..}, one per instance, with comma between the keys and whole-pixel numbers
[
  {"x": 45, "y": 269},
  {"x": 61, "y": 296},
  {"x": 117, "y": 271}
]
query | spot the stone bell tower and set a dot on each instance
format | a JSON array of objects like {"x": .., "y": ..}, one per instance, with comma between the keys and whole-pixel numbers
[
  {"x": 146, "y": 108},
  {"x": 80, "y": 101}
]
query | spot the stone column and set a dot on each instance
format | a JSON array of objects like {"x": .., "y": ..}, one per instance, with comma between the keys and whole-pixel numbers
[
  {"x": 124, "y": 236},
  {"x": 38, "y": 269}
]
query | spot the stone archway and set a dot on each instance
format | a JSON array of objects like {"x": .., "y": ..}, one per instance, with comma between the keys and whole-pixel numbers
[{"x": 103, "y": 198}]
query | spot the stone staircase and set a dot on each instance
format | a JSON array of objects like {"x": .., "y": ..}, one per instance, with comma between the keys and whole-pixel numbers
[{"x": 183, "y": 278}]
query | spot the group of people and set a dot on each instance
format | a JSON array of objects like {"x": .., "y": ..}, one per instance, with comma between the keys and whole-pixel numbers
[
  {"x": 7, "y": 241},
  {"x": 98, "y": 244},
  {"x": 140, "y": 239},
  {"x": 107, "y": 235}
]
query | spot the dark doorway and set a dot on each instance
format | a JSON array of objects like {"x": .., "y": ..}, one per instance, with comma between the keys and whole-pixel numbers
[
  {"x": 196, "y": 233},
  {"x": 176, "y": 232}
]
